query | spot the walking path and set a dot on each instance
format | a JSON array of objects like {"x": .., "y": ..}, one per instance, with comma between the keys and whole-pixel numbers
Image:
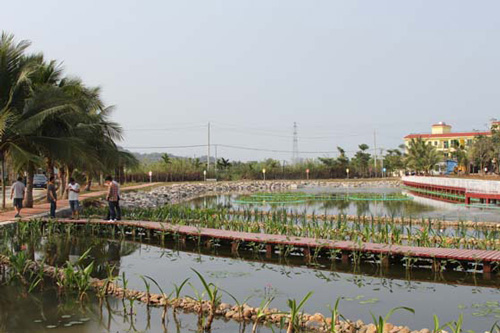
[
  {"x": 38, "y": 209},
  {"x": 484, "y": 257}
]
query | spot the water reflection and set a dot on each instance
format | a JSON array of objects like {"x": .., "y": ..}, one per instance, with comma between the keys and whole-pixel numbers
[
  {"x": 370, "y": 289},
  {"x": 418, "y": 207}
]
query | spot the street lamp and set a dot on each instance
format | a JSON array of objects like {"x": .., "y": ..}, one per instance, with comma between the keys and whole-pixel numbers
[
  {"x": 347, "y": 171},
  {"x": 205, "y": 175},
  {"x": 150, "y": 176},
  {"x": 307, "y": 174},
  {"x": 264, "y": 173}
]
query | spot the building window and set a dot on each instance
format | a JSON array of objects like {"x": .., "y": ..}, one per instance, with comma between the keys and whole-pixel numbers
[
  {"x": 435, "y": 143},
  {"x": 445, "y": 154},
  {"x": 469, "y": 142},
  {"x": 445, "y": 143}
]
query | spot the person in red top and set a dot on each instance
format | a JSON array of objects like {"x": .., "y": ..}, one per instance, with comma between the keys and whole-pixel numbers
[{"x": 112, "y": 198}]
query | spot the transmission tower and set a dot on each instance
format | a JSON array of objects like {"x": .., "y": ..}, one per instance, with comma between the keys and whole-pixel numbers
[{"x": 295, "y": 150}]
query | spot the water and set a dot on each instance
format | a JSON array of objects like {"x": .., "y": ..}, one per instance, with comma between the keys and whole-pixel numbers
[
  {"x": 44, "y": 311},
  {"x": 418, "y": 207},
  {"x": 369, "y": 290}
]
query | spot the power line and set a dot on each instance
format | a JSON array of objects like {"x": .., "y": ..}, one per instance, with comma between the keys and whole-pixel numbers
[
  {"x": 242, "y": 148},
  {"x": 167, "y": 147},
  {"x": 272, "y": 133}
]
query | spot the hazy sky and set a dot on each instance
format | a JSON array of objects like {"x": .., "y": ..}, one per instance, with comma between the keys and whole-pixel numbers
[{"x": 340, "y": 69}]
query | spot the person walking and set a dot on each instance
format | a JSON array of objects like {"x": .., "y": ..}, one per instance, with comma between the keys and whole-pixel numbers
[
  {"x": 52, "y": 196},
  {"x": 112, "y": 198},
  {"x": 73, "y": 196},
  {"x": 118, "y": 209},
  {"x": 17, "y": 195}
]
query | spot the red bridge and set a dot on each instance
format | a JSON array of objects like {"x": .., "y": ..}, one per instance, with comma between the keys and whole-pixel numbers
[{"x": 435, "y": 256}]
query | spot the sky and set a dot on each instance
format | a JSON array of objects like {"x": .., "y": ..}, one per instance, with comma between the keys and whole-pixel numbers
[{"x": 347, "y": 72}]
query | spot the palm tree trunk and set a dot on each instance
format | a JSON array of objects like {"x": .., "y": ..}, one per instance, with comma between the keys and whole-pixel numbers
[
  {"x": 28, "y": 198},
  {"x": 70, "y": 170},
  {"x": 62, "y": 177},
  {"x": 50, "y": 167},
  {"x": 4, "y": 190},
  {"x": 89, "y": 182}
]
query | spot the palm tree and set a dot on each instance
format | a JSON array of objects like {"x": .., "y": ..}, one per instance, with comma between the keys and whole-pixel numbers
[
  {"x": 166, "y": 159},
  {"x": 422, "y": 156},
  {"x": 223, "y": 163},
  {"x": 14, "y": 87}
]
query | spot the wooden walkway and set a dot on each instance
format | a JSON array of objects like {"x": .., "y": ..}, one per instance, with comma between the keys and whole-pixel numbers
[
  {"x": 38, "y": 209},
  {"x": 486, "y": 258}
]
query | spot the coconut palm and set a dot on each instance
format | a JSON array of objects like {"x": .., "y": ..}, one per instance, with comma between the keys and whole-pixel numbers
[
  {"x": 223, "y": 163},
  {"x": 422, "y": 156}
]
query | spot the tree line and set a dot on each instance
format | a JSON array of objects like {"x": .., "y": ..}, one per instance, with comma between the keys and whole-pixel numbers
[
  {"x": 52, "y": 121},
  {"x": 420, "y": 157}
]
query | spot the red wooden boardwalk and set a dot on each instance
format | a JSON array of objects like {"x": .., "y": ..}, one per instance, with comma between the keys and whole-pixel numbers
[{"x": 484, "y": 257}]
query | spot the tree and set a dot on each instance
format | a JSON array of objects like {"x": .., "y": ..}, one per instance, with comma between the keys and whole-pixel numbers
[
  {"x": 223, "y": 163},
  {"x": 422, "y": 156},
  {"x": 481, "y": 152},
  {"x": 166, "y": 159},
  {"x": 49, "y": 119},
  {"x": 394, "y": 160},
  {"x": 361, "y": 160}
]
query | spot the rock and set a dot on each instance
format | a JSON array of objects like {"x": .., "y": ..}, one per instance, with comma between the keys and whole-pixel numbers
[
  {"x": 247, "y": 313},
  {"x": 425, "y": 330},
  {"x": 313, "y": 325},
  {"x": 404, "y": 330},
  {"x": 230, "y": 314},
  {"x": 388, "y": 327},
  {"x": 224, "y": 306},
  {"x": 317, "y": 317},
  {"x": 371, "y": 328}
]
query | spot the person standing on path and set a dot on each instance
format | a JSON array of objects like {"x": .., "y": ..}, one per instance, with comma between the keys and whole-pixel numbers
[
  {"x": 52, "y": 196},
  {"x": 118, "y": 209},
  {"x": 17, "y": 194},
  {"x": 112, "y": 198},
  {"x": 73, "y": 196}
]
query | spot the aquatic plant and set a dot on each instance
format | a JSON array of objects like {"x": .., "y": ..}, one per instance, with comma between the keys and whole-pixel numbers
[
  {"x": 164, "y": 300},
  {"x": 381, "y": 321},
  {"x": 261, "y": 312},
  {"x": 214, "y": 298},
  {"x": 294, "y": 321},
  {"x": 335, "y": 314},
  {"x": 456, "y": 326}
]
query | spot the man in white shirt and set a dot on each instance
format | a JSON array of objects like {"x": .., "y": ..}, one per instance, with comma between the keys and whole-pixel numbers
[
  {"x": 17, "y": 193},
  {"x": 73, "y": 195}
]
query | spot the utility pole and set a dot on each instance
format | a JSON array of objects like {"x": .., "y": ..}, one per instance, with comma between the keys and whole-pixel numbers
[
  {"x": 375, "y": 151},
  {"x": 208, "y": 149},
  {"x": 295, "y": 149},
  {"x": 382, "y": 161},
  {"x": 215, "y": 165}
]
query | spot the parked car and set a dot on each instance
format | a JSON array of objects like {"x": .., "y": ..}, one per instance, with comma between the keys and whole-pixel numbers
[{"x": 40, "y": 181}]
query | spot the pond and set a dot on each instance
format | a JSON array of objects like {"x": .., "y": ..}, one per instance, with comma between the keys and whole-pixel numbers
[
  {"x": 367, "y": 290},
  {"x": 415, "y": 207}
]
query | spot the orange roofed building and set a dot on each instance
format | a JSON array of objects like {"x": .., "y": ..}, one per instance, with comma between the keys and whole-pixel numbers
[{"x": 445, "y": 140}]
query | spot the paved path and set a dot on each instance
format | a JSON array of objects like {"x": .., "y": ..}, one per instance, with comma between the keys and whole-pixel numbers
[
  {"x": 485, "y": 257},
  {"x": 37, "y": 209}
]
